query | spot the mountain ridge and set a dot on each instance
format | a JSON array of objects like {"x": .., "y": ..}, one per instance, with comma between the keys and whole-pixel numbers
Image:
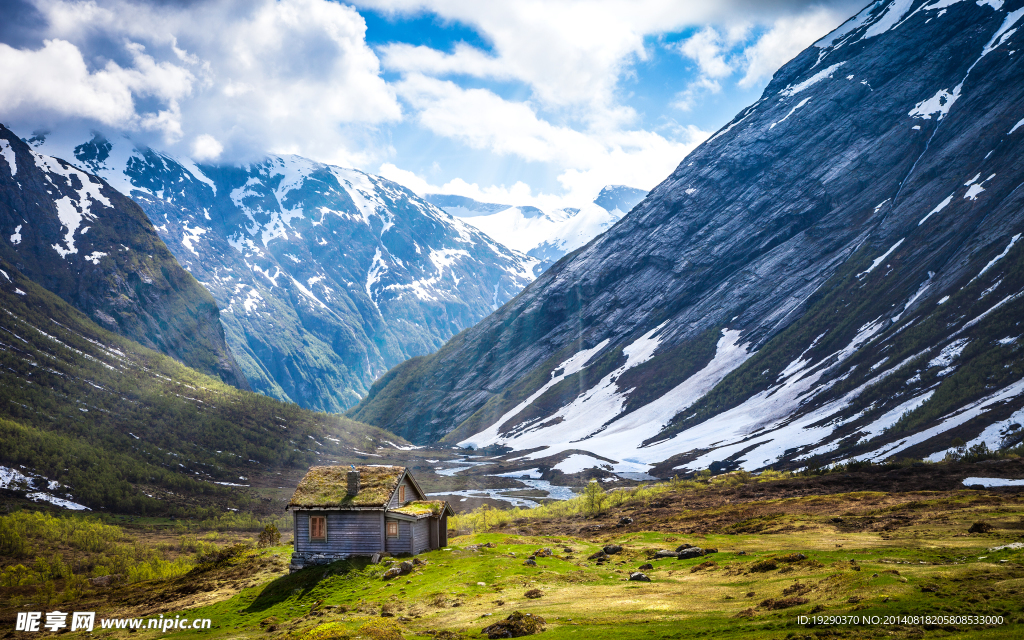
[{"x": 815, "y": 232}]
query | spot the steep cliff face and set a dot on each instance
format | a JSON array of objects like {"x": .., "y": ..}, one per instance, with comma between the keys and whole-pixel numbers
[
  {"x": 834, "y": 274},
  {"x": 325, "y": 276},
  {"x": 76, "y": 236}
]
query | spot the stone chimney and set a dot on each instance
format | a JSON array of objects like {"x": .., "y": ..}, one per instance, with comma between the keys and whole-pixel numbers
[{"x": 353, "y": 482}]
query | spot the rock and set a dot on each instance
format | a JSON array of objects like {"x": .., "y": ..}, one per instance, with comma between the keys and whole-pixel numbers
[
  {"x": 980, "y": 527},
  {"x": 567, "y": 550},
  {"x": 418, "y": 562},
  {"x": 600, "y": 555},
  {"x": 692, "y": 552},
  {"x": 405, "y": 567},
  {"x": 393, "y": 572},
  {"x": 741, "y": 553},
  {"x": 638, "y": 577},
  {"x": 543, "y": 553},
  {"x": 710, "y": 551},
  {"x": 624, "y": 520},
  {"x": 612, "y": 549},
  {"x": 105, "y": 581},
  {"x": 683, "y": 547},
  {"x": 646, "y": 567},
  {"x": 530, "y": 562},
  {"x": 665, "y": 553},
  {"x": 516, "y": 625}
]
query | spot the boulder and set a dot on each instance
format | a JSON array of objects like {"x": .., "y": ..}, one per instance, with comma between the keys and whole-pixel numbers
[
  {"x": 405, "y": 567},
  {"x": 624, "y": 520},
  {"x": 530, "y": 562},
  {"x": 393, "y": 572},
  {"x": 665, "y": 553},
  {"x": 645, "y": 567},
  {"x": 543, "y": 553},
  {"x": 692, "y": 552},
  {"x": 612, "y": 549},
  {"x": 683, "y": 546},
  {"x": 600, "y": 555},
  {"x": 638, "y": 577}
]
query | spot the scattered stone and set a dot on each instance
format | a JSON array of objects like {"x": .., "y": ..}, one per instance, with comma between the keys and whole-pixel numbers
[
  {"x": 393, "y": 572},
  {"x": 600, "y": 555},
  {"x": 646, "y": 567},
  {"x": 530, "y": 562},
  {"x": 543, "y": 553},
  {"x": 624, "y": 520},
  {"x": 741, "y": 553},
  {"x": 665, "y": 553},
  {"x": 710, "y": 550},
  {"x": 567, "y": 550},
  {"x": 638, "y": 577},
  {"x": 692, "y": 552},
  {"x": 516, "y": 625},
  {"x": 405, "y": 567},
  {"x": 481, "y": 584},
  {"x": 612, "y": 549},
  {"x": 980, "y": 527},
  {"x": 418, "y": 562},
  {"x": 105, "y": 581}
]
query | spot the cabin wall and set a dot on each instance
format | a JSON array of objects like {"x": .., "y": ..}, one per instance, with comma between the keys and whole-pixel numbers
[
  {"x": 348, "y": 532},
  {"x": 404, "y": 542},
  {"x": 442, "y": 531},
  {"x": 421, "y": 535}
]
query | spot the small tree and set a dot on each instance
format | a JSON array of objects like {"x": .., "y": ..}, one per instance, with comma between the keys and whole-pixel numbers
[
  {"x": 593, "y": 498},
  {"x": 269, "y": 537}
]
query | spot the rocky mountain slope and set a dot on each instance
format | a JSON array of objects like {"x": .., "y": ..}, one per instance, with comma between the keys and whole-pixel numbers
[
  {"x": 78, "y": 237},
  {"x": 90, "y": 419},
  {"x": 546, "y": 236},
  {"x": 834, "y": 275},
  {"x": 325, "y": 276}
]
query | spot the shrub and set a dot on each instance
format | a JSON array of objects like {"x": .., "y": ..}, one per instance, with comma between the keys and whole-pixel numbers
[
  {"x": 381, "y": 629},
  {"x": 329, "y": 631},
  {"x": 764, "y": 565},
  {"x": 269, "y": 537}
]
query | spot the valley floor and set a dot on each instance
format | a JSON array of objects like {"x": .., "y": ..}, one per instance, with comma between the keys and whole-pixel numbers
[{"x": 845, "y": 563}]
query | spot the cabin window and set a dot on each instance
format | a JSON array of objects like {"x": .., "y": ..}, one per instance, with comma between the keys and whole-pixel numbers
[
  {"x": 401, "y": 494},
  {"x": 392, "y": 529},
  {"x": 318, "y": 528}
]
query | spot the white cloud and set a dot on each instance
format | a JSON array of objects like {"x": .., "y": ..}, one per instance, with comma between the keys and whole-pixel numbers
[
  {"x": 787, "y": 37},
  {"x": 258, "y": 75},
  {"x": 206, "y": 148}
]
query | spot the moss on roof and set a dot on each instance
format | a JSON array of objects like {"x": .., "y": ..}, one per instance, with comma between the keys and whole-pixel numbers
[
  {"x": 328, "y": 487},
  {"x": 421, "y": 508}
]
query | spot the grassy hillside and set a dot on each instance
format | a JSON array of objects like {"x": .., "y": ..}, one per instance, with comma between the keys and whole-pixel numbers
[
  {"x": 783, "y": 547},
  {"x": 127, "y": 429}
]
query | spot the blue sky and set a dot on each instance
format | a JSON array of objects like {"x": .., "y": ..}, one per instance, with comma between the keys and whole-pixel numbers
[{"x": 524, "y": 102}]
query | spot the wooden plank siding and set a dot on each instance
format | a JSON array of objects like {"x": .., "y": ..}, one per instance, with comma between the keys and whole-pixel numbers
[
  {"x": 420, "y": 535},
  {"x": 403, "y": 543},
  {"x": 410, "y": 494},
  {"x": 349, "y": 532}
]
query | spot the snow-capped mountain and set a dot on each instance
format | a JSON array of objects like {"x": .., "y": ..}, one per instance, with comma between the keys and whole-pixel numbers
[
  {"x": 76, "y": 236},
  {"x": 325, "y": 276},
  {"x": 546, "y": 236},
  {"x": 836, "y": 274}
]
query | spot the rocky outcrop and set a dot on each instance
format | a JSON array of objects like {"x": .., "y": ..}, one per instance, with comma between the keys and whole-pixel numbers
[{"x": 834, "y": 275}]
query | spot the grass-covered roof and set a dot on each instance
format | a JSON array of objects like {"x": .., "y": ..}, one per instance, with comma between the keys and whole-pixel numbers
[
  {"x": 328, "y": 487},
  {"x": 421, "y": 508}
]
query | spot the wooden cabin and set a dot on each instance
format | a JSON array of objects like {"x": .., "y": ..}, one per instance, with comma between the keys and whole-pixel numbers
[{"x": 340, "y": 512}]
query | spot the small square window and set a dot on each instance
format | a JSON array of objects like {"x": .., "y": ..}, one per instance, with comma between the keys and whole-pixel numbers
[
  {"x": 318, "y": 528},
  {"x": 401, "y": 494},
  {"x": 392, "y": 529}
]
